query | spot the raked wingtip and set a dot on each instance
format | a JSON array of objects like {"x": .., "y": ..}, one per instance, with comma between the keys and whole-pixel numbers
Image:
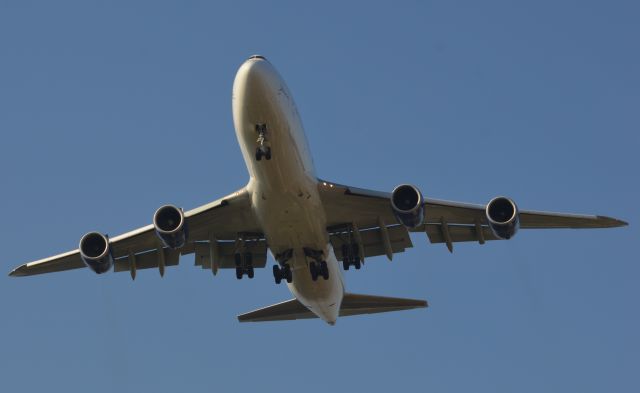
[
  {"x": 17, "y": 272},
  {"x": 619, "y": 223},
  {"x": 610, "y": 222}
]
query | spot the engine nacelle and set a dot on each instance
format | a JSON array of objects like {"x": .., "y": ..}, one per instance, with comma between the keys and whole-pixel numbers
[
  {"x": 408, "y": 205},
  {"x": 95, "y": 252},
  {"x": 503, "y": 217},
  {"x": 170, "y": 226}
]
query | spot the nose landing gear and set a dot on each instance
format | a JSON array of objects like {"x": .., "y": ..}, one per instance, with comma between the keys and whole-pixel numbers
[{"x": 263, "y": 149}]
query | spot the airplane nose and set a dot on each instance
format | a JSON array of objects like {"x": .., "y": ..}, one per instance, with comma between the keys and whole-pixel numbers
[
  {"x": 256, "y": 72},
  {"x": 257, "y": 57},
  {"x": 256, "y": 79}
]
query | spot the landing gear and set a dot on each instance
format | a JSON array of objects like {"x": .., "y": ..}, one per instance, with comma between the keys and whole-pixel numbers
[
  {"x": 263, "y": 152},
  {"x": 319, "y": 266},
  {"x": 280, "y": 273},
  {"x": 244, "y": 265},
  {"x": 263, "y": 149},
  {"x": 351, "y": 256},
  {"x": 318, "y": 269}
]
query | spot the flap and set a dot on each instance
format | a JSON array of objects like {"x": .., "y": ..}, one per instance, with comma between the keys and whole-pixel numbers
[
  {"x": 372, "y": 240},
  {"x": 147, "y": 260},
  {"x": 227, "y": 251},
  {"x": 459, "y": 233}
]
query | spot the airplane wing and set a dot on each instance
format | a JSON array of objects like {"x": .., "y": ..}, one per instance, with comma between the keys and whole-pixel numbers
[
  {"x": 444, "y": 222},
  {"x": 219, "y": 221}
]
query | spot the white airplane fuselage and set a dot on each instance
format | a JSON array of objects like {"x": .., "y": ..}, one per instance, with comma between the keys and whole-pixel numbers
[{"x": 284, "y": 189}]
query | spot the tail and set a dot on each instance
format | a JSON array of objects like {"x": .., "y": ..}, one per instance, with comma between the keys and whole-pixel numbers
[{"x": 352, "y": 304}]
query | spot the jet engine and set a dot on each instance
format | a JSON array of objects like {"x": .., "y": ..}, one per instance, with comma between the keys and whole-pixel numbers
[
  {"x": 95, "y": 252},
  {"x": 170, "y": 226},
  {"x": 408, "y": 205},
  {"x": 503, "y": 217}
]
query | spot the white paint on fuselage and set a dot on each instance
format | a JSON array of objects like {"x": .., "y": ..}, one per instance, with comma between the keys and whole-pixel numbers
[{"x": 284, "y": 190}]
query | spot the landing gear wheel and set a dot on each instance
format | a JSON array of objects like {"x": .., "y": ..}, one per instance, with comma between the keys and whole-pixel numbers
[
  {"x": 259, "y": 154},
  {"x": 313, "y": 268},
  {"x": 345, "y": 264},
  {"x": 287, "y": 273},
  {"x": 267, "y": 153},
  {"x": 250, "y": 271},
  {"x": 357, "y": 264},
  {"x": 324, "y": 270},
  {"x": 277, "y": 275},
  {"x": 239, "y": 273}
]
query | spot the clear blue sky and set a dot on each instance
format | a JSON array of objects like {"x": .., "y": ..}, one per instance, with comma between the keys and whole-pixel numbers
[{"x": 108, "y": 111}]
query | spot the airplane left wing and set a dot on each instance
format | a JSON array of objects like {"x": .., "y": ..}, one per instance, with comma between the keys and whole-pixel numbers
[
  {"x": 222, "y": 219},
  {"x": 443, "y": 222}
]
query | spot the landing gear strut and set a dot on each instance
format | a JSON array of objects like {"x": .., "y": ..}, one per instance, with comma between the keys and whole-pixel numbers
[{"x": 263, "y": 149}]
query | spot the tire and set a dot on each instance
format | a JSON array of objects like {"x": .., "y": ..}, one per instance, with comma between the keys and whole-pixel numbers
[
  {"x": 258, "y": 154},
  {"x": 314, "y": 271},
  {"x": 287, "y": 273},
  {"x": 267, "y": 155},
  {"x": 239, "y": 273},
  {"x": 250, "y": 272},
  {"x": 357, "y": 264},
  {"x": 345, "y": 264},
  {"x": 276, "y": 274},
  {"x": 324, "y": 269}
]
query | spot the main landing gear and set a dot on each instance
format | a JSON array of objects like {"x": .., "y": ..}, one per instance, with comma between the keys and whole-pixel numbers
[
  {"x": 283, "y": 272},
  {"x": 280, "y": 273},
  {"x": 263, "y": 149},
  {"x": 319, "y": 267},
  {"x": 244, "y": 265},
  {"x": 350, "y": 256}
]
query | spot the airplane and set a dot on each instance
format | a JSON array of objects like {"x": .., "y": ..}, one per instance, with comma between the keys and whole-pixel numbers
[{"x": 309, "y": 225}]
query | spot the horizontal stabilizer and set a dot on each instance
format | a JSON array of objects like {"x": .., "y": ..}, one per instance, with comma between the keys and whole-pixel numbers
[{"x": 352, "y": 304}]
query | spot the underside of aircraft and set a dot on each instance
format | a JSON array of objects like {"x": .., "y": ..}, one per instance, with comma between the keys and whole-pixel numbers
[{"x": 313, "y": 228}]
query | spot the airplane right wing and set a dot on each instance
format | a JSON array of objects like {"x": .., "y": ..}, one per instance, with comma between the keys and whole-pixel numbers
[{"x": 213, "y": 228}]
